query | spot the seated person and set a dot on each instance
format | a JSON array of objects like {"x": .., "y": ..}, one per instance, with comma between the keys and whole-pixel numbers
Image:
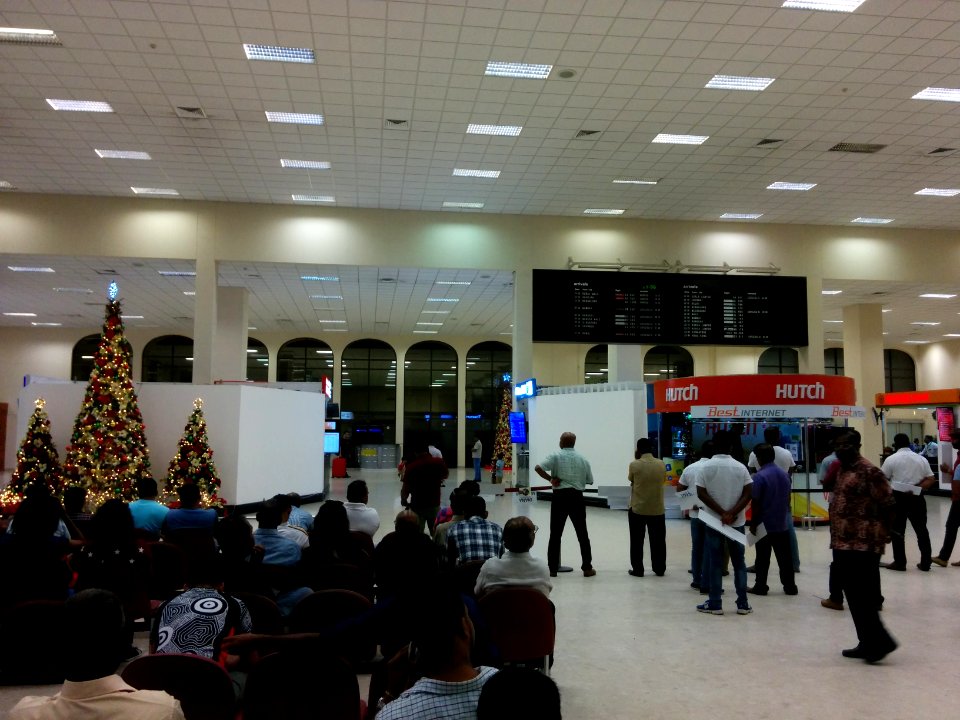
[
  {"x": 299, "y": 518},
  {"x": 95, "y": 646},
  {"x": 519, "y": 693},
  {"x": 189, "y": 516},
  {"x": 458, "y": 498},
  {"x": 362, "y": 517},
  {"x": 517, "y": 567},
  {"x": 475, "y": 537},
  {"x": 405, "y": 556},
  {"x": 290, "y": 532},
  {"x": 240, "y": 555},
  {"x": 331, "y": 542},
  {"x": 148, "y": 514},
  {"x": 279, "y": 552},
  {"x": 74, "y": 499}
]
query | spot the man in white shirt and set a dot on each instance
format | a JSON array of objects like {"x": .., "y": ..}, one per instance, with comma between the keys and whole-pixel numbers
[
  {"x": 723, "y": 485},
  {"x": 517, "y": 567},
  {"x": 362, "y": 518},
  {"x": 434, "y": 451},
  {"x": 783, "y": 459},
  {"x": 905, "y": 470},
  {"x": 688, "y": 481}
]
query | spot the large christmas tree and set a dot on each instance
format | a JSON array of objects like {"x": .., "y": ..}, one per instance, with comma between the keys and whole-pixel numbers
[
  {"x": 108, "y": 452},
  {"x": 501, "y": 438},
  {"x": 37, "y": 459},
  {"x": 193, "y": 462}
]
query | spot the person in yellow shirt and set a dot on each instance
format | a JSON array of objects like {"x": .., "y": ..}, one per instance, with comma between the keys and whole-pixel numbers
[{"x": 647, "y": 476}]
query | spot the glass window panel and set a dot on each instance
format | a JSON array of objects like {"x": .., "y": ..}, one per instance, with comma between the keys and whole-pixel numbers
[{"x": 80, "y": 367}]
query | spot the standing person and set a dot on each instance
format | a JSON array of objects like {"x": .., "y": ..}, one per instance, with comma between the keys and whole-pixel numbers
[
  {"x": 420, "y": 491},
  {"x": 476, "y": 453},
  {"x": 688, "y": 481},
  {"x": 835, "y": 601},
  {"x": 930, "y": 451},
  {"x": 434, "y": 451},
  {"x": 569, "y": 472},
  {"x": 724, "y": 487},
  {"x": 771, "y": 506},
  {"x": 498, "y": 466},
  {"x": 647, "y": 476},
  {"x": 905, "y": 467},
  {"x": 861, "y": 509},
  {"x": 783, "y": 460},
  {"x": 953, "y": 518}
]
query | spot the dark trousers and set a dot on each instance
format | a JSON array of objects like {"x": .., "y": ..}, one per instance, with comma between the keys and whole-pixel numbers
[
  {"x": 834, "y": 585},
  {"x": 950, "y": 531},
  {"x": 859, "y": 573},
  {"x": 656, "y": 524},
  {"x": 779, "y": 543},
  {"x": 913, "y": 508},
  {"x": 697, "y": 530},
  {"x": 568, "y": 503}
]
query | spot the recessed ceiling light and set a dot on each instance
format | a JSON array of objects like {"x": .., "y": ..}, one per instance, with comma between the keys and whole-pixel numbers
[
  {"x": 320, "y": 278},
  {"x": 466, "y": 172},
  {"x": 19, "y": 314},
  {"x": 952, "y": 335},
  {"x": 634, "y": 181},
  {"x": 829, "y": 5},
  {"x": 886, "y": 310},
  {"x": 473, "y": 205},
  {"x": 326, "y": 297},
  {"x": 177, "y": 273},
  {"x": 131, "y": 317},
  {"x": 939, "y": 192},
  {"x": 737, "y": 82},
  {"x": 334, "y": 322},
  {"x": 939, "y": 296},
  {"x": 668, "y": 139},
  {"x": 81, "y": 291},
  {"x": 923, "y": 322},
  {"x": 278, "y": 54},
  {"x": 451, "y": 282},
  {"x": 313, "y": 198},
  {"x": 872, "y": 221},
  {"x": 123, "y": 154},
  {"x": 305, "y": 164},
  {"x": 833, "y": 321},
  {"x": 46, "y": 324},
  {"x": 916, "y": 342},
  {"x": 189, "y": 293},
  {"x": 29, "y": 36},
  {"x": 933, "y": 93},
  {"x": 830, "y": 292},
  {"x": 419, "y": 323},
  {"x": 480, "y": 129},
  {"x": 425, "y": 332},
  {"x": 741, "y": 216},
  {"x": 294, "y": 118},
  {"x": 80, "y": 105},
  {"x": 518, "y": 70},
  {"x": 168, "y": 192},
  {"x": 447, "y": 312},
  {"x": 791, "y": 186},
  {"x": 603, "y": 211},
  {"x": 429, "y": 299},
  {"x": 20, "y": 268}
]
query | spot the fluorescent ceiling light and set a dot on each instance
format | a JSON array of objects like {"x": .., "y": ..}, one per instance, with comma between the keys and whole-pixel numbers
[
  {"x": 940, "y": 296},
  {"x": 294, "y": 118},
  {"x": 741, "y": 216},
  {"x": 891, "y": 310},
  {"x": 19, "y": 314},
  {"x": 278, "y": 54},
  {"x": 305, "y": 164},
  {"x": 189, "y": 293},
  {"x": 944, "y": 94},
  {"x": 123, "y": 154},
  {"x": 791, "y": 186},
  {"x": 952, "y": 335},
  {"x": 451, "y": 204},
  {"x": 313, "y": 198},
  {"x": 46, "y": 324},
  {"x": 335, "y": 330},
  {"x": 603, "y": 211},
  {"x": 922, "y": 322},
  {"x": 651, "y": 374},
  {"x": 442, "y": 299},
  {"x": 442, "y": 312},
  {"x": 833, "y": 321},
  {"x": 480, "y": 129},
  {"x": 169, "y": 192},
  {"x": 466, "y": 172},
  {"x": 83, "y": 291},
  {"x": 451, "y": 282},
  {"x": 335, "y": 322},
  {"x": 830, "y": 292},
  {"x": 326, "y": 297},
  {"x": 29, "y": 36},
  {"x": 252, "y": 350},
  {"x": 419, "y": 323},
  {"x": 131, "y": 317},
  {"x": 668, "y": 139},
  {"x": 737, "y": 82},
  {"x": 86, "y": 357},
  {"x": 318, "y": 278},
  {"x": 634, "y": 181},
  {"x": 872, "y": 221},
  {"x": 939, "y": 192},
  {"x": 80, "y": 105},
  {"x": 177, "y": 273},
  {"x": 324, "y": 352},
  {"x": 829, "y": 5},
  {"x": 19, "y": 268},
  {"x": 7, "y": 185},
  {"x": 518, "y": 70},
  {"x": 916, "y": 342},
  {"x": 425, "y": 332}
]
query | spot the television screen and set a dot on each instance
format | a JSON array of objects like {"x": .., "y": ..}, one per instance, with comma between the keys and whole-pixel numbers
[
  {"x": 331, "y": 443},
  {"x": 330, "y": 425},
  {"x": 518, "y": 428}
]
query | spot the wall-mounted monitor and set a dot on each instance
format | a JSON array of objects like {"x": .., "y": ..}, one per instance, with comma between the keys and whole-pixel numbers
[
  {"x": 525, "y": 389},
  {"x": 518, "y": 428},
  {"x": 331, "y": 443}
]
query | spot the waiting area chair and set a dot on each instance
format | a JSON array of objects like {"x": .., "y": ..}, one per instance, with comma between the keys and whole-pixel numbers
[
  {"x": 521, "y": 624},
  {"x": 203, "y": 687}
]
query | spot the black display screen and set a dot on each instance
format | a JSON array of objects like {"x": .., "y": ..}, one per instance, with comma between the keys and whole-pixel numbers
[{"x": 676, "y": 308}]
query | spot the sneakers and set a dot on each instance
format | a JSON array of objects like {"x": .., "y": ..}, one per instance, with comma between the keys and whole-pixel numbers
[
  {"x": 589, "y": 572},
  {"x": 894, "y": 566},
  {"x": 744, "y": 610},
  {"x": 831, "y": 605},
  {"x": 757, "y": 590},
  {"x": 938, "y": 561},
  {"x": 705, "y": 608}
]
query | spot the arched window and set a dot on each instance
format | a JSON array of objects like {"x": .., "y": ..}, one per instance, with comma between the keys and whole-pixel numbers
[
  {"x": 487, "y": 364},
  {"x": 168, "y": 359},
  {"x": 368, "y": 389},
  {"x": 779, "y": 361},
  {"x": 430, "y": 397},
  {"x": 304, "y": 360},
  {"x": 595, "y": 368},
  {"x": 899, "y": 371},
  {"x": 833, "y": 361},
  {"x": 81, "y": 361},
  {"x": 258, "y": 360},
  {"x": 667, "y": 361}
]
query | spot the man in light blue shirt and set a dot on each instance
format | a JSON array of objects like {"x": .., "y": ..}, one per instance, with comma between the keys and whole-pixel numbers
[
  {"x": 569, "y": 473},
  {"x": 148, "y": 514}
]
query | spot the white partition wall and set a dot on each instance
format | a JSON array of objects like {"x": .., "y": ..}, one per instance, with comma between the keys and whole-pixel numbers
[
  {"x": 265, "y": 441},
  {"x": 607, "y": 420}
]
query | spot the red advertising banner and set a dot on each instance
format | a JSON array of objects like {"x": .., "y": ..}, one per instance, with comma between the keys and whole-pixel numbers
[
  {"x": 680, "y": 394},
  {"x": 918, "y": 398}
]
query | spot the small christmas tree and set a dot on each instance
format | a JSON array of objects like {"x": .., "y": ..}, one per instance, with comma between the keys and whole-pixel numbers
[
  {"x": 193, "y": 462},
  {"x": 501, "y": 437},
  {"x": 108, "y": 451},
  {"x": 37, "y": 459}
]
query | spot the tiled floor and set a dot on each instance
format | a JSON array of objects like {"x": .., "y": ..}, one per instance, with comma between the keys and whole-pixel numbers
[{"x": 636, "y": 648}]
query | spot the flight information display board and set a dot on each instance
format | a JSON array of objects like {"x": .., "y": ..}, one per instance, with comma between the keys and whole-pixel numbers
[{"x": 677, "y": 308}]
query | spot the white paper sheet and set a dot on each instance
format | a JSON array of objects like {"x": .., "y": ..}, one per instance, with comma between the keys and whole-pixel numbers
[
  {"x": 712, "y": 520},
  {"x": 761, "y": 534},
  {"x": 688, "y": 498},
  {"x": 906, "y": 488}
]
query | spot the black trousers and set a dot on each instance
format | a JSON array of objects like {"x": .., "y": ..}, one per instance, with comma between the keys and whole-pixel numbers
[
  {"x": 950, "y": 531},
  {"x": 859, "y": 573},
  {"x": 656, "y": 524},
  {"x": 913, "y": 508},
  {"x": 779, "y": 543},
  {"x": 568, "y": 503}
]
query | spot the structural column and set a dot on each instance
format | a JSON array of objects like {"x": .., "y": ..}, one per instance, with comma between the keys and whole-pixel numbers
[
  {"x": 204, "y": 315},
  {"x": 863, "y": 361},
  {"x": 625, "y": 362},
  {"x": 811, "y": 356},
  {"x": 230, "y": 339},
  {"x": 522, "y": 343}
]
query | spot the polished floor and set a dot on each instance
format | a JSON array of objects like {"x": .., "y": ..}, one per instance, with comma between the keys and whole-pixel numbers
[{"x": 636, "y": 648}]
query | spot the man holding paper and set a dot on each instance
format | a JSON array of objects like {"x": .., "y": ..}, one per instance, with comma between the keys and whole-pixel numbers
[
  {"x": 723, "y": 485},
  {"x": 771, "y": 507},
  {"x": 908, "y": 474}
]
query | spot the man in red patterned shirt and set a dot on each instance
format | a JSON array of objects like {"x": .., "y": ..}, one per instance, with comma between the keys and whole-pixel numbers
[{"x": 862, "y": 509}]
